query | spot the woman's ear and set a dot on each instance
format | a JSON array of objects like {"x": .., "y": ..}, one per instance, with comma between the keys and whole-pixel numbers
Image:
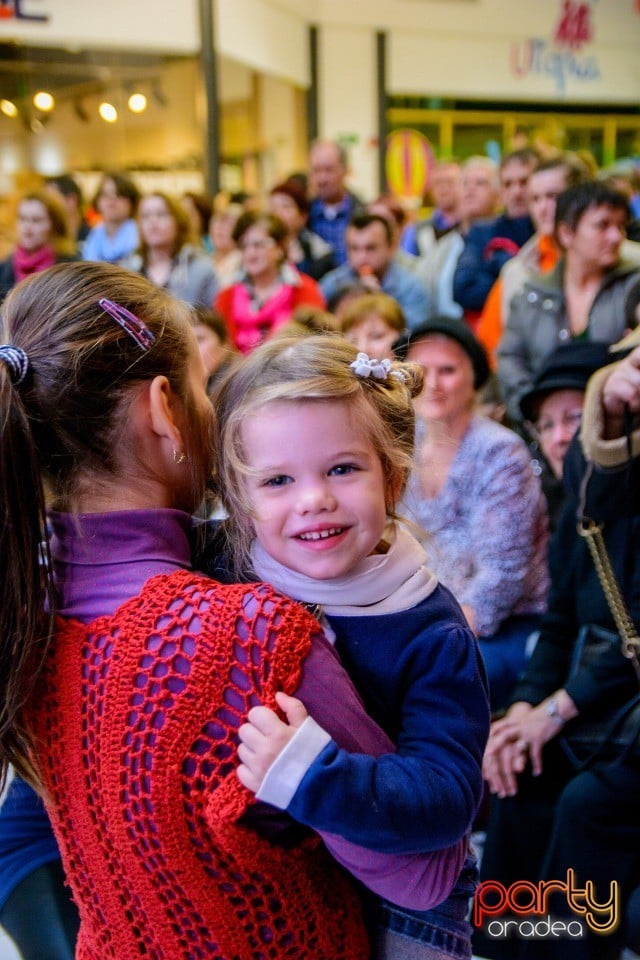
[
  {"x": 162, "y": 411},
  {"x": 563, "y": 235}
]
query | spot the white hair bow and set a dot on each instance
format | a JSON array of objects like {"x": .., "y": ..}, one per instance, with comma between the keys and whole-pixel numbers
[{"x": 364, "y": 366}]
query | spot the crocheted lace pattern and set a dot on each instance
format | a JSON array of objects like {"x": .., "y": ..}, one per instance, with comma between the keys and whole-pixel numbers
[{"x": 136, "y": 724}]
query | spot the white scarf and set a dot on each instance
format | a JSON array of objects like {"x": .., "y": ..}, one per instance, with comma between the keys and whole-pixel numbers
[{"x": 380, "y": 583}]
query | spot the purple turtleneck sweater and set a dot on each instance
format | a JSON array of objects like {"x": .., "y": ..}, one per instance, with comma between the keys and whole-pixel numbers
[
  {"x": 99, "y": 562},
  {"x": 102, "y": 559}
]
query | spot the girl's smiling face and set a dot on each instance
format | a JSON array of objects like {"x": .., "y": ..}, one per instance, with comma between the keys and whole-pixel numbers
[{"x": 316, "y": 485}]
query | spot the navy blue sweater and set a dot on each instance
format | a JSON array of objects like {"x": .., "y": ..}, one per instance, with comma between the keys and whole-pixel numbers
[{"x": 421, "y": 678}]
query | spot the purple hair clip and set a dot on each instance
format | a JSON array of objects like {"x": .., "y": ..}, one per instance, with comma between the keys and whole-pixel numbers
[{"x": 136, "y": 329}]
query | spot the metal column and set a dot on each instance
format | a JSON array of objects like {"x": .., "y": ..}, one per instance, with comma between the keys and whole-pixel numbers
[
  {"x": 381, "y": 84},
  {"x": 312, "y": 92},
  {"x": 209, "y": 75}
]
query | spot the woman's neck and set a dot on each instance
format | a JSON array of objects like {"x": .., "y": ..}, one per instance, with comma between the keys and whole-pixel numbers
[
  {"x": 581, "y": 285},
  {"x": 161, "y": 254},
  {"x": 111, "y": 227},
  {"x": 108, "y": 496},
  {"x": 581, "y": 276},
  {"x": 264, "y": 282},
  {"x": 33, "y": 251},
  {"x": 448, "y": 431},
  {"x": 437, "y": 453},
  {"x": 74, "y": 220},
  {"x": 295, "y": 251},
  {"x": 221, "y": 253},
  {"x": 158, "y": 265}
]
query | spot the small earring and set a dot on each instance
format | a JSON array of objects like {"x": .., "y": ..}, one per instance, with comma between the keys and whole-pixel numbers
[{"x": 179, "y": 457}]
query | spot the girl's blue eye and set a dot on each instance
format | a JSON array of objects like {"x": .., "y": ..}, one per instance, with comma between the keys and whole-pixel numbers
[
  {"x": 342, "y": 469},
  {"x": 278, "y": 481}
]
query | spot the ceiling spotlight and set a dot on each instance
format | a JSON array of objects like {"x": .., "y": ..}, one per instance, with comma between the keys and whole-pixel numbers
[
  {"x": 108, "y": 112},
  {"x": 9, "y": 108},
  {"x": 137, "y": 103},
  {"x": 43, "y": 101}
]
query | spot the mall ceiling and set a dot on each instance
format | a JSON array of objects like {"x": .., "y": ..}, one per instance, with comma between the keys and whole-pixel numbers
[{"x": 71, "y": 74}]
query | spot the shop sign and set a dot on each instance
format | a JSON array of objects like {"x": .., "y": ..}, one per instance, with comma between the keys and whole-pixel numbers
[
  {"x": 561, "y": 56},
  {"x": 38, "y": 10}
]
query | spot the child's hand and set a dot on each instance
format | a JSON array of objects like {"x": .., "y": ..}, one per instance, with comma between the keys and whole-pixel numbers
[{"x": 264, "y": 737}]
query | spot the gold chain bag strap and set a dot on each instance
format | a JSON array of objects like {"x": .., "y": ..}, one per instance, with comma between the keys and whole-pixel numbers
[
  {"x": 617, "y": 733},
  {"x": 630, "y": 641}
]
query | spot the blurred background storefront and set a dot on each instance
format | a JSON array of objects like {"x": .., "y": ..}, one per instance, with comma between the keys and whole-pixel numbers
[{"x": 87, "y": 86}]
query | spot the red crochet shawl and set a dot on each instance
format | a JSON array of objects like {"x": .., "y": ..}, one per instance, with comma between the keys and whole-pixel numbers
[{"x": 135, "y": 725}]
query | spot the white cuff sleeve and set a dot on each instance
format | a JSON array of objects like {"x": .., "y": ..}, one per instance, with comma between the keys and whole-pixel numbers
[{"x": 287, "y": 770}]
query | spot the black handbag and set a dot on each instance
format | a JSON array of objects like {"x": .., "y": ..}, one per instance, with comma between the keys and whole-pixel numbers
[{"x": 616, "y": 734}]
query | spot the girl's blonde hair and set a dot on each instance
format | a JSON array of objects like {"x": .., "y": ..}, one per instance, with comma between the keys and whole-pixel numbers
[{"x": 305, "y": 370}]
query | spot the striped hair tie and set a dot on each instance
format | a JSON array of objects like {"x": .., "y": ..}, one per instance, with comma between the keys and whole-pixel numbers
[{"x": 16, "y": 360}]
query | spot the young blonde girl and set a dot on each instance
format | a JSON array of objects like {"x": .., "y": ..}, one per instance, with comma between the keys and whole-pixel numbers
[{"x": 315, "y": 443}]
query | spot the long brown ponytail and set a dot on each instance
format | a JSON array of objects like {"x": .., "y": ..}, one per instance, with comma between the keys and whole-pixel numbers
[{"x": 61, "y": 425}]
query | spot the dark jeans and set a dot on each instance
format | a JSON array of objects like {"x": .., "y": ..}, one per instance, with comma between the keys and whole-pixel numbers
[{"x": 442, "y": 932}]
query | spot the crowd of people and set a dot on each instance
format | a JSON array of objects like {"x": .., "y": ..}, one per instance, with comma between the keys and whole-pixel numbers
[{"x": 293, "y": 590}]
